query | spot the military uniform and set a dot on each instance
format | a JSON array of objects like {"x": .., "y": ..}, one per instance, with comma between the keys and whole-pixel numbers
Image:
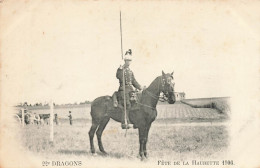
[
  {"x": 130, "y": 83},
  {"x": 56, "y": 119},
  {"x": 124, "y": 72},
  {"x": 70, "y": 117}
]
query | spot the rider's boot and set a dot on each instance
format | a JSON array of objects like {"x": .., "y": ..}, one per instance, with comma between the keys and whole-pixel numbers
[
  {"x": 114, "y": 97},
  {"x": 124, "y": 123}
]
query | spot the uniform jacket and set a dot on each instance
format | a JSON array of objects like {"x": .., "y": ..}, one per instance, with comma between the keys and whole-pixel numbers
[
  {"x": 70, "y": 117},
  {"x": 130, "y": 80}
]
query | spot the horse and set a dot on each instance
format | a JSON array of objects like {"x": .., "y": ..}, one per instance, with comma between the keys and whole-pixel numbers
[
  {"x": 102, "y": 110},
  {"x": 44, "y": 118}
]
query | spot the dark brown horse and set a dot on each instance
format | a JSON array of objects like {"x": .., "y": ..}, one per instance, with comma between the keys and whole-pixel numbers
[{"x": 102, "y": 110}]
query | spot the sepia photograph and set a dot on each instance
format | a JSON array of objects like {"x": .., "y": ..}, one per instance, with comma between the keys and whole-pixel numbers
[{"x": 129, "y": 84}]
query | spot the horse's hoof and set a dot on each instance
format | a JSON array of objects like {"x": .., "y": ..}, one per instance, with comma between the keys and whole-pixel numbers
[
  {"x": 104, "y": 153},
  {"x": 93, "y": 154},
  {"x": 141, "y": 155}
]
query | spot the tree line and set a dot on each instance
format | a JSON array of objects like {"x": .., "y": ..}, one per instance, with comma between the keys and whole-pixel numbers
[{"x": 25, "y": 104}]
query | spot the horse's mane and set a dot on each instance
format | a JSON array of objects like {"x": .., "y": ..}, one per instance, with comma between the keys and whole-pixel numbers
[{"x": 154, "y": 82}]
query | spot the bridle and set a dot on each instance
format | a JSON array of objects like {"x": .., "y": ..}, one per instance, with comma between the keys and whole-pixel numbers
[{"x": 162, "y": 98}]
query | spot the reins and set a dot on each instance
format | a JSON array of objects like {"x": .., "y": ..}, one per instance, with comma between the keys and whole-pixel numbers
[{"x": 159, "y": 98}]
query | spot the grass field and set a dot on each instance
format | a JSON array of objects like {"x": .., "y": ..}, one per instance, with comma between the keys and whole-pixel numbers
[
  {"x": 177, "y": 133},
  {"x": 165, "y": 141}
]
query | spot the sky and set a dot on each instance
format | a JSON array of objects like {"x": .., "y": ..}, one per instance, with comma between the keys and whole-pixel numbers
[{"x": 69, "y": 51}]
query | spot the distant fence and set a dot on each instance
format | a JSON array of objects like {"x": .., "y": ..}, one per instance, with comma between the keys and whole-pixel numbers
[{"x": 83, "y": 111}]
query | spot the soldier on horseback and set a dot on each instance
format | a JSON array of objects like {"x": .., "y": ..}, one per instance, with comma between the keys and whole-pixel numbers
[{"x": 130, "y": 84}]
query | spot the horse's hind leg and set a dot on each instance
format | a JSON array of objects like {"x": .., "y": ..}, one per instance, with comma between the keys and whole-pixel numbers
[
  {"x": 91, "y": 134},
  {"x": 100, "y": 130}
]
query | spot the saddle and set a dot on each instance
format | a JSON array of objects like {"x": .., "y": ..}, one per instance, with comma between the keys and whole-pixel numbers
[{"x": 134, "y": 97}]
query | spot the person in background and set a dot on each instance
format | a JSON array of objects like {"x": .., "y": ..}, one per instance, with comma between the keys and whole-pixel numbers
[
  {"x": 70, "y": 117},
  {"x": 37, "y": 118},
  {"x": 32, "y": 118},
  {"x": 56, "y": 119}
]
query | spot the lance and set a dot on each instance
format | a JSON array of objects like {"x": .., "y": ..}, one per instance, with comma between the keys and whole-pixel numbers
[{"x": 123, "y": 70}]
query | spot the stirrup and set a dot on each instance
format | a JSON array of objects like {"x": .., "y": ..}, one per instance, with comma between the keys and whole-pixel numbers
[{"x": 124, "y": 126}]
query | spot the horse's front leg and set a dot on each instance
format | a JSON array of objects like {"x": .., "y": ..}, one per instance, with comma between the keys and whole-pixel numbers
[
  {"x": 141, "y": 141},
  {"x": 146, "y": 139}
]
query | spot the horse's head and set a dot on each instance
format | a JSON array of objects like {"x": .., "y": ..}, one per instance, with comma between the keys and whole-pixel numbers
[{"x": 168, "y": 87}]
